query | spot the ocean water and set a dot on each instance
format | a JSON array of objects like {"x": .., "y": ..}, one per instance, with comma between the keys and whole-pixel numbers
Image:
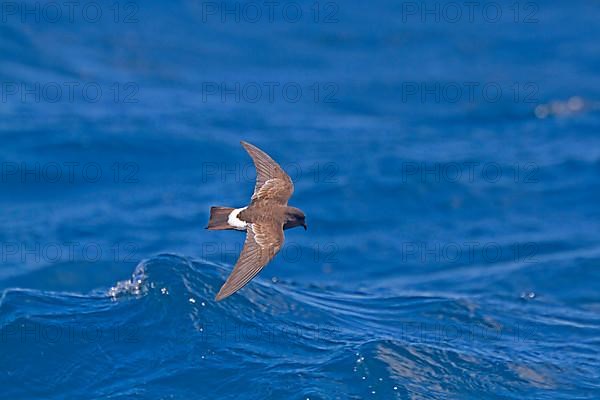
[{"x": 447, "y": 157}]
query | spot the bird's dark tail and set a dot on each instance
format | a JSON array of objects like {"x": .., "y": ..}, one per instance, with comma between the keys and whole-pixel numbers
[{"x": 218, "y": 218}]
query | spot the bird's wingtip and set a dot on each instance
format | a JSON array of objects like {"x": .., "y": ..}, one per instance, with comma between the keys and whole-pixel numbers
[
  {"x": 220, "y": 295},
  {"x": 247, "y": 144}
]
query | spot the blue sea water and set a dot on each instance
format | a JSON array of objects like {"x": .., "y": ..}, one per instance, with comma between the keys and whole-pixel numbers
[{"x": 447, "y": 158}]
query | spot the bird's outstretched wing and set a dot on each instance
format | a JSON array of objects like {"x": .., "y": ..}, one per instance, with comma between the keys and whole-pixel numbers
[
  {"x": 263, "y": 241},
  {"x": 272, "y": 183}
]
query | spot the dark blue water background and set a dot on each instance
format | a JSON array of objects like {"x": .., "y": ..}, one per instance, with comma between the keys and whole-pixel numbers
[{"x": 449, "y": 166}]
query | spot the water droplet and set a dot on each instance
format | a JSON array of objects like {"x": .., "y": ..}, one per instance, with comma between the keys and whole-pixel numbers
[
  {"x": 575, "y": 103},
  {"x": 528, "y": 295},
  {"x": 542, "y": 111}
]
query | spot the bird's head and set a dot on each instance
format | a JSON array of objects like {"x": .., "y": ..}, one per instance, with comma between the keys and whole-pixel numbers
[{"x": 294, "y": 217}]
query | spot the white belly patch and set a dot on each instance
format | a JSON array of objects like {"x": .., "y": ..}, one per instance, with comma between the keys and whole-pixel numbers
[{"x": 234, "y": 221}]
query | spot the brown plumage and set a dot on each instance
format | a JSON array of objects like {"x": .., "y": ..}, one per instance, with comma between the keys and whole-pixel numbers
[{"x": 263, "y": 220}]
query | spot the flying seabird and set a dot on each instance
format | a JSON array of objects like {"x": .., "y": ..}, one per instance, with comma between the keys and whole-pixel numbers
[{"x": 264, "y": 220}]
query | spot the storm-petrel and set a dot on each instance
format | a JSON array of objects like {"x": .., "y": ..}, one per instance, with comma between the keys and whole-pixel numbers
[{"x": 263, "y": 220}]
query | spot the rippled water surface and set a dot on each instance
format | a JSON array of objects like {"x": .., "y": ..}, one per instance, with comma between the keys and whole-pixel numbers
[{"x": 449, "y": 170}]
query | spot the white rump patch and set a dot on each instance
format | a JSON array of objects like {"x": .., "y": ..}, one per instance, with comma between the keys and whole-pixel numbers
[{"x": 234, "y": 221}]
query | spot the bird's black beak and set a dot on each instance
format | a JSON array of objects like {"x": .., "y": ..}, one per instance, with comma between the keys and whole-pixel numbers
[{"x": 305, "y": 227}]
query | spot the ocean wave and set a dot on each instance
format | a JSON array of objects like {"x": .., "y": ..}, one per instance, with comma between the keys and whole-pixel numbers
[{"x": 162, "y": 328}]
